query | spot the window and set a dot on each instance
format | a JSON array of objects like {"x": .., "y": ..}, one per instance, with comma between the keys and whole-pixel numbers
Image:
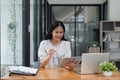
[{"x": 11, "y": 30}]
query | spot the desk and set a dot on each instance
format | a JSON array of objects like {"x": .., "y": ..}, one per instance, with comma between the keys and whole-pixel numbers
[{"x": 63, "y": 74}]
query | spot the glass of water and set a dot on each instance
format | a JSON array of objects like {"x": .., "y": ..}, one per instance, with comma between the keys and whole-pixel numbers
[{"x": 56, "y": 61}]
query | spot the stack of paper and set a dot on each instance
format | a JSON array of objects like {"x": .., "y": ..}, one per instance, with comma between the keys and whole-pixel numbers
[{"x": 23, "y": 70}]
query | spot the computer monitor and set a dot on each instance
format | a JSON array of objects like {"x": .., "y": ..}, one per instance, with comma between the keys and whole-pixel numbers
[{"x": 90, "y": 62}]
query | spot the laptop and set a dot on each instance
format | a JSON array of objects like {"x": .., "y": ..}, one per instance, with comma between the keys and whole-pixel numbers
[{"x": 90, "y": 62}]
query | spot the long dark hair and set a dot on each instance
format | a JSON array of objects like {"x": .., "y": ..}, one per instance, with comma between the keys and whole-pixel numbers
[{"x": 54, "y": 26}]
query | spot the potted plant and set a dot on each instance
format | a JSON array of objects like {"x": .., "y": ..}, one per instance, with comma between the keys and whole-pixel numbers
[
  {"x": 107, "y": 68},
  {"x": 94, "y": 43}
]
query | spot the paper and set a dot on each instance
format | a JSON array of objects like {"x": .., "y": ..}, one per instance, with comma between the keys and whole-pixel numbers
[{"x": 23, "y": 70}]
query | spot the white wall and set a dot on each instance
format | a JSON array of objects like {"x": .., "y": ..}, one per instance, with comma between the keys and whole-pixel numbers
[{"x": 114, "y": 10}]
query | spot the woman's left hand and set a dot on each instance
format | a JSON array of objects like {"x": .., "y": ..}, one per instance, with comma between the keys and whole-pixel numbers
[{"x": 71, "y": 64}]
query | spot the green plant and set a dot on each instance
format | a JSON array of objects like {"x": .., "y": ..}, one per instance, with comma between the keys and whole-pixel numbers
[
  {"x": 108, "y": 66},
  {"x": 94, "y": 43}
]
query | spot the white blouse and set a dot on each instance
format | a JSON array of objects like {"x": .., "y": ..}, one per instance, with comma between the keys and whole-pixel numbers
[{"x": 62, "y": 50}]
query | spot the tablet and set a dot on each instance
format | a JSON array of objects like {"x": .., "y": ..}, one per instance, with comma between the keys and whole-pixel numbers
[{"x": 65, "y": 61}]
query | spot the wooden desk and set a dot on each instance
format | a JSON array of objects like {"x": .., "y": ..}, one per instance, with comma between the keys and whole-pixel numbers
[{"x": 63, "y": 74}]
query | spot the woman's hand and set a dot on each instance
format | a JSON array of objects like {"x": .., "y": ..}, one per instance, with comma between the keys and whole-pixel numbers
[
  {"x": 71, "y": 64},
  {"x": 45, "y": 61},
  {"x": 51, "y": 52}
]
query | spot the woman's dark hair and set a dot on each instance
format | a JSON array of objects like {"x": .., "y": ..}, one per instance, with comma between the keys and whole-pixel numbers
[{"x": 54, "y": 26}]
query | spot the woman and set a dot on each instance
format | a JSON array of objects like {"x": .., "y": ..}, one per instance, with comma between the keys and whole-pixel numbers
[{"x": 55, "y": 45}]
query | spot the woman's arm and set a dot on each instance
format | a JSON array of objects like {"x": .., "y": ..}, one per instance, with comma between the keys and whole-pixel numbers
[{"x": 45, "y": 61}]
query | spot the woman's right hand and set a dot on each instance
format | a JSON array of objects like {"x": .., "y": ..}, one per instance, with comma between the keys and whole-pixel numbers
[
  {"x": 51, "y": 52},
  {"x": 45, "y": 61}
]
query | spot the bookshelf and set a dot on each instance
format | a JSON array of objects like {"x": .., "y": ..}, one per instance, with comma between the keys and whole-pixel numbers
[{"x": 110, "y": 37}]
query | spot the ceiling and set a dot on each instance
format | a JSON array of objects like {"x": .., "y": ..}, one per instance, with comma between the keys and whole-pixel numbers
[{"x": 76, "y": 1}]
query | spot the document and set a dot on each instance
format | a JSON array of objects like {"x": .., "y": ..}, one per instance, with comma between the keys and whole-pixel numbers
[{"x": 23, "y": 70}]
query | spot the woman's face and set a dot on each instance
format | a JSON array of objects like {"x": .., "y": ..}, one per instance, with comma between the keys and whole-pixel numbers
[{"x": 57, "y": 33}]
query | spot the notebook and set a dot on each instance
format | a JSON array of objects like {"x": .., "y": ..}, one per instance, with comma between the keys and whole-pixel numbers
[
  {"x": 90, "y": 62},
  {"x": 23, "y": 70}
]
